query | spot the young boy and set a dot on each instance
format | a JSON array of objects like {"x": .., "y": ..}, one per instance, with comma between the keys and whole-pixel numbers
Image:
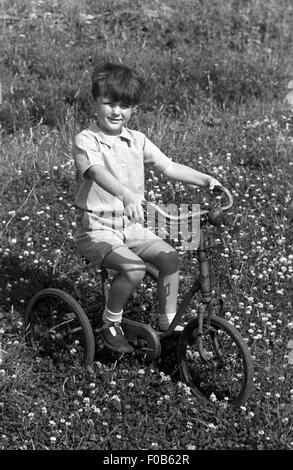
[{"x": 110, "y": 160}]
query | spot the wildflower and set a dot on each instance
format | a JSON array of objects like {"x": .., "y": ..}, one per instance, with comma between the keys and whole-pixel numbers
[
  {"x": 165, "y": 378},
  {"x": 213, "y": 397},
  {"x": 79, "y": 393},
  {"x": 53, "y": 440},
  {"x": 116, "y": 398},
  {"x": 212, "y": 426},
  {"x": 191, "y": 447},
  {"x": 96, "y": 409}
]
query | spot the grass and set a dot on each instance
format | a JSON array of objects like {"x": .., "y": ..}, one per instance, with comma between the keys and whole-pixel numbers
[{"x": 216, "y": 75}]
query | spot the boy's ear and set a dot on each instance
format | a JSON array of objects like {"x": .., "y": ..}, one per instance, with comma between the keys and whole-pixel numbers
[{"x": 134, "y": 108}]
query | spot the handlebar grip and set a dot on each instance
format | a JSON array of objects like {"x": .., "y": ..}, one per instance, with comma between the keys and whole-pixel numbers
[{"x": 228, "y": 194}]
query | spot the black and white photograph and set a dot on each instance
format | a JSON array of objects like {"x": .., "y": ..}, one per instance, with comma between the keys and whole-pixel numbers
[{"x": 146, "y": 229}]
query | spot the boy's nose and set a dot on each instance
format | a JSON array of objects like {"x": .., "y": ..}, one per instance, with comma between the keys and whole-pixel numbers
[{"x": 116, "y": 110}]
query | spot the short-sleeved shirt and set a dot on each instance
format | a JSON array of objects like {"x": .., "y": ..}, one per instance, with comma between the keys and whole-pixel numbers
[{"x": 124, "y": 156}]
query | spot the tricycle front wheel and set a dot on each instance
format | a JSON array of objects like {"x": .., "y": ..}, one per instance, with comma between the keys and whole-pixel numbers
[{"x": 225, "y": 371}]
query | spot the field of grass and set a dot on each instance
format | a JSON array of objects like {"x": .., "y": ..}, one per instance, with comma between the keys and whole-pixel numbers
[{"x": 216, "y": 75}]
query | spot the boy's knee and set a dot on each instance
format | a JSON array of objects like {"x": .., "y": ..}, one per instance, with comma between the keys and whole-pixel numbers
[
  {"x": 168, "y": 261},
  {"x": 134, "y": 273}
]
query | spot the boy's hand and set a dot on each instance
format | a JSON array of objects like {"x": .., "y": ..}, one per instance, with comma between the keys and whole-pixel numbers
[
  {"x": 133, "y": 208},
  {"x": 212, "y": 183}
]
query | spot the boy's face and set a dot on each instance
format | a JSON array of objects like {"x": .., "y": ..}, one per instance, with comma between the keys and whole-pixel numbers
[{"x": 112, "y": 116}]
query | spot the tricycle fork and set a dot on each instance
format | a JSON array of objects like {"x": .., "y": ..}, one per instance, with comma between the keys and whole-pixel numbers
[{"x": 205, "y": 312}]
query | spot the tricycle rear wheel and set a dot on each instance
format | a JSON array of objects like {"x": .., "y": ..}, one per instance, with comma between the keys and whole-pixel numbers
[{"x": 57, "y": 327}]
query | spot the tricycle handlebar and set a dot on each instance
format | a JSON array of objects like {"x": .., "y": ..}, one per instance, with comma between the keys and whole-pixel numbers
[{"x": 194, "y": 213}]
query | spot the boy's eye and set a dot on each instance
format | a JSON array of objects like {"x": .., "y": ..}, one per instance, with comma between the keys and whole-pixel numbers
[{"x": 113, "y": 104}]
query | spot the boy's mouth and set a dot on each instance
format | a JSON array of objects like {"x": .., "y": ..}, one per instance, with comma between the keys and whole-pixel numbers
[{"x": 114, "y": 120}]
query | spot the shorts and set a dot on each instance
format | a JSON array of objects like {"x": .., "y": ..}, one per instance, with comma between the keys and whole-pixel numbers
[{"x": 96, "y": 244}]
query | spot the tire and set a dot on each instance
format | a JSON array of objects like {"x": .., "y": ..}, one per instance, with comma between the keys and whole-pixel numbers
[
  {"x": 57, "y": 327},
  {"x": 227, "y": 374}
]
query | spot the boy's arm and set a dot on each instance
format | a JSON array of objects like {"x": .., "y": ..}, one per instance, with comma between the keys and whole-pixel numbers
[
  {"x": 131, "y": 201},
  {"x": 185, "y": 174}
]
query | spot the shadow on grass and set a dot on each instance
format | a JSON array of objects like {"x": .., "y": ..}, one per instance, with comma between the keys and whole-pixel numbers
[
  {"x": 19, "y": 282},
  {"x": 165, "y": 364}
]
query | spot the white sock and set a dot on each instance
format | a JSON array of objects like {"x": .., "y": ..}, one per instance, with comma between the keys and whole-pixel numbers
[
  {"x": 165, "y": 320},
  {"x": 112, "y": 317}
]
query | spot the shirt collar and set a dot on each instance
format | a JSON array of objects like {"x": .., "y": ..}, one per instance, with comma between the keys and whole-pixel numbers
[{"x": 110, "y": 139}]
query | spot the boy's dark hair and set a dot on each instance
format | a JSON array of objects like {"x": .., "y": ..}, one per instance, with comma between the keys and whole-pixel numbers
[{"x": 118, "y": 82}]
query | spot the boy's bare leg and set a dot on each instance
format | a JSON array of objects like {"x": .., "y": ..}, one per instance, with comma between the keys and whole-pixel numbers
[
  {"x": 165, "y": 258},
  {"x": 131, "y": 270}
]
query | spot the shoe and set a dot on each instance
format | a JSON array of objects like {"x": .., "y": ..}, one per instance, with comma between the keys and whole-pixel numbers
[{"x": 114, "y": 339}]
